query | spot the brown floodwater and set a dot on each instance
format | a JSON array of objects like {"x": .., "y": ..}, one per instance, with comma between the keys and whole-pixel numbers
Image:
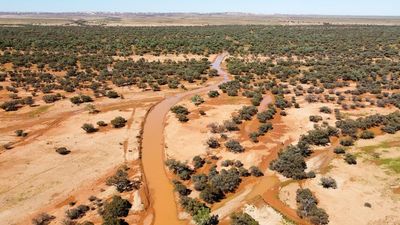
[{"x": 162, "y": 200}]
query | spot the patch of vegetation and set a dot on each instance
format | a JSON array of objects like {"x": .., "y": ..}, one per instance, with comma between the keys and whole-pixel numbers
[
  {"x": 118, "y": 122},
  {"x": 77, "y": 212},
  {"x": 199, "y": 211},
  {"x": 89, "y": 128},
  {"x": 63, "y": 151},
  {"x": 328, "y": 182},
  {"x": 213, "y": 94},
  {"x": 180, "y": 169},
  {"x": 114, "y": 210},
  {"x": 213, "y": 143},
  {"x": 307, "y": 208},
  {"x": 181, "y": 113},
  {"x": 234, "y": 146},
  {"x": 392, "y": 164},
  {"x": 350, "y": 159},
  {"x": 242, "y": 219},
  {"x": 197, "y": 100},
  {"x": 121, "y": 181},
  {"x": 43, "y": 219},
  {"x": 290, "y": 163}
]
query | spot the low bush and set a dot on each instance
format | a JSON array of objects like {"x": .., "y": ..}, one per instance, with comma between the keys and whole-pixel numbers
[
  {"x": 113, "y": 210},
  {"x": 213, "y": 94},
  {"x": 307, "y": 208},
  {"x": 339, "y": 150},
  {"x": 366, "y": 134},
  {"x": 325, "y": 109},
  {"x": 230, "y": 125},
  {"x": 213, "y": 142},
  {"x": 89, "y": 128},
  {"x": 242, "y": 219},
  {"x": 197, "y": 100},
  {"x": 181, "y": 188},
  {"x": 290, "y": 163},
  {"x": 198, "y": 162},
  {"x": 256, "y": 172},
  {"x": 347, "y": 141},
  {"x": 102, "y": 123},
  {"x": 264, "y": 128},
  {"x": 121, "y": 182},
  {"x": 43, "y": 219},
  {"x": 118, "y": 122},
  {"x": 112, "y": 94},
  {"x": 183, "y": 171},
  {"x": 63, "y": 151},
  {"x": 328, "y": 182},
  {"x": 350, "y": 159},
  {"x": 315, "y": 119},
  {"x": 51, "y": 98},
  {"x": 77, "y": 212},
  {"x": 234, "y": 146}
]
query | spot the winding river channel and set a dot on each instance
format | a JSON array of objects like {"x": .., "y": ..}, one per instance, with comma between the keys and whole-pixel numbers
[{"x": 162, "y": 199}]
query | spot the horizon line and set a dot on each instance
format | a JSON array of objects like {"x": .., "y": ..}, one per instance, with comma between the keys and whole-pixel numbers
[{"x": 204, "y": 13}]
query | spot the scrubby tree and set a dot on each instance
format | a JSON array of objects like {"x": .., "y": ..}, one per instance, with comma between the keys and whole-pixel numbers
[
  {"x": 234, "y": 146},
  {"x": 118, "y": 122},
  {"x": 328, "y": 182},
  {"x": 213, "y": 142},
  {"x": 89, "y": 128},
  {"x": 242, "y": 219}
]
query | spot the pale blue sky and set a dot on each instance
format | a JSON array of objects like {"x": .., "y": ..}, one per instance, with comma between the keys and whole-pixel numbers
[{"x": 323, "y": 7}]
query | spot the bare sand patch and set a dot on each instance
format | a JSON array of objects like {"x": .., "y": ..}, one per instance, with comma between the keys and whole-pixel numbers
[
  {"x": 40, "y": 175},
  {"x": 185, "y": 140},
  {"x": 298, "y": 119},
  {"x": 287, "y": 194},
  {"x": 264, "y": 215},
  {"x": 345, "y": 205}
]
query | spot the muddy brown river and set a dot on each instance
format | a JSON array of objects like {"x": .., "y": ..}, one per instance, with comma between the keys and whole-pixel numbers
[{"x": 162, "y": 199}]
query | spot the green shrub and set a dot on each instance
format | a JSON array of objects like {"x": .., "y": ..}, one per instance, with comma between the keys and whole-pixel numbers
[
  {"x": 77, "y": 212},
  {"x": 117, "y": 207},
  {"x": 89, "y": 128},
  {"x": 242, "y": 219},
  {"x": 213, "y": 94},
  {"x": 112, "y": 94},
  {"x": 118, "y": 122},
  {"x": 197, "y": 100},
  {"x": 290, "y": 163},
  {"x": 213, "y": 142},
  {"x": 43, "y": 219},
  {"x": 63, "y": 151},
  {"x": 366, "y": 134},
  {"x": 180, "y": 169},
  {"x": 339, "y": 150},
  {"x": 234, "y": 146},
  {"x": 347, "y": 141},
  {"x": 101, "y": 123},
  {"x": 181, "y": 188},
  {"x": 307, "y": 208},
  {"x": 350, "y": 159},
  {"x": 256, "y": 172},
  {"x": 328, "y": 182}
]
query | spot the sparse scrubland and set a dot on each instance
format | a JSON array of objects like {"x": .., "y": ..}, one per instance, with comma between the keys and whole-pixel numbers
[{"x": 302, "y": 129}]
